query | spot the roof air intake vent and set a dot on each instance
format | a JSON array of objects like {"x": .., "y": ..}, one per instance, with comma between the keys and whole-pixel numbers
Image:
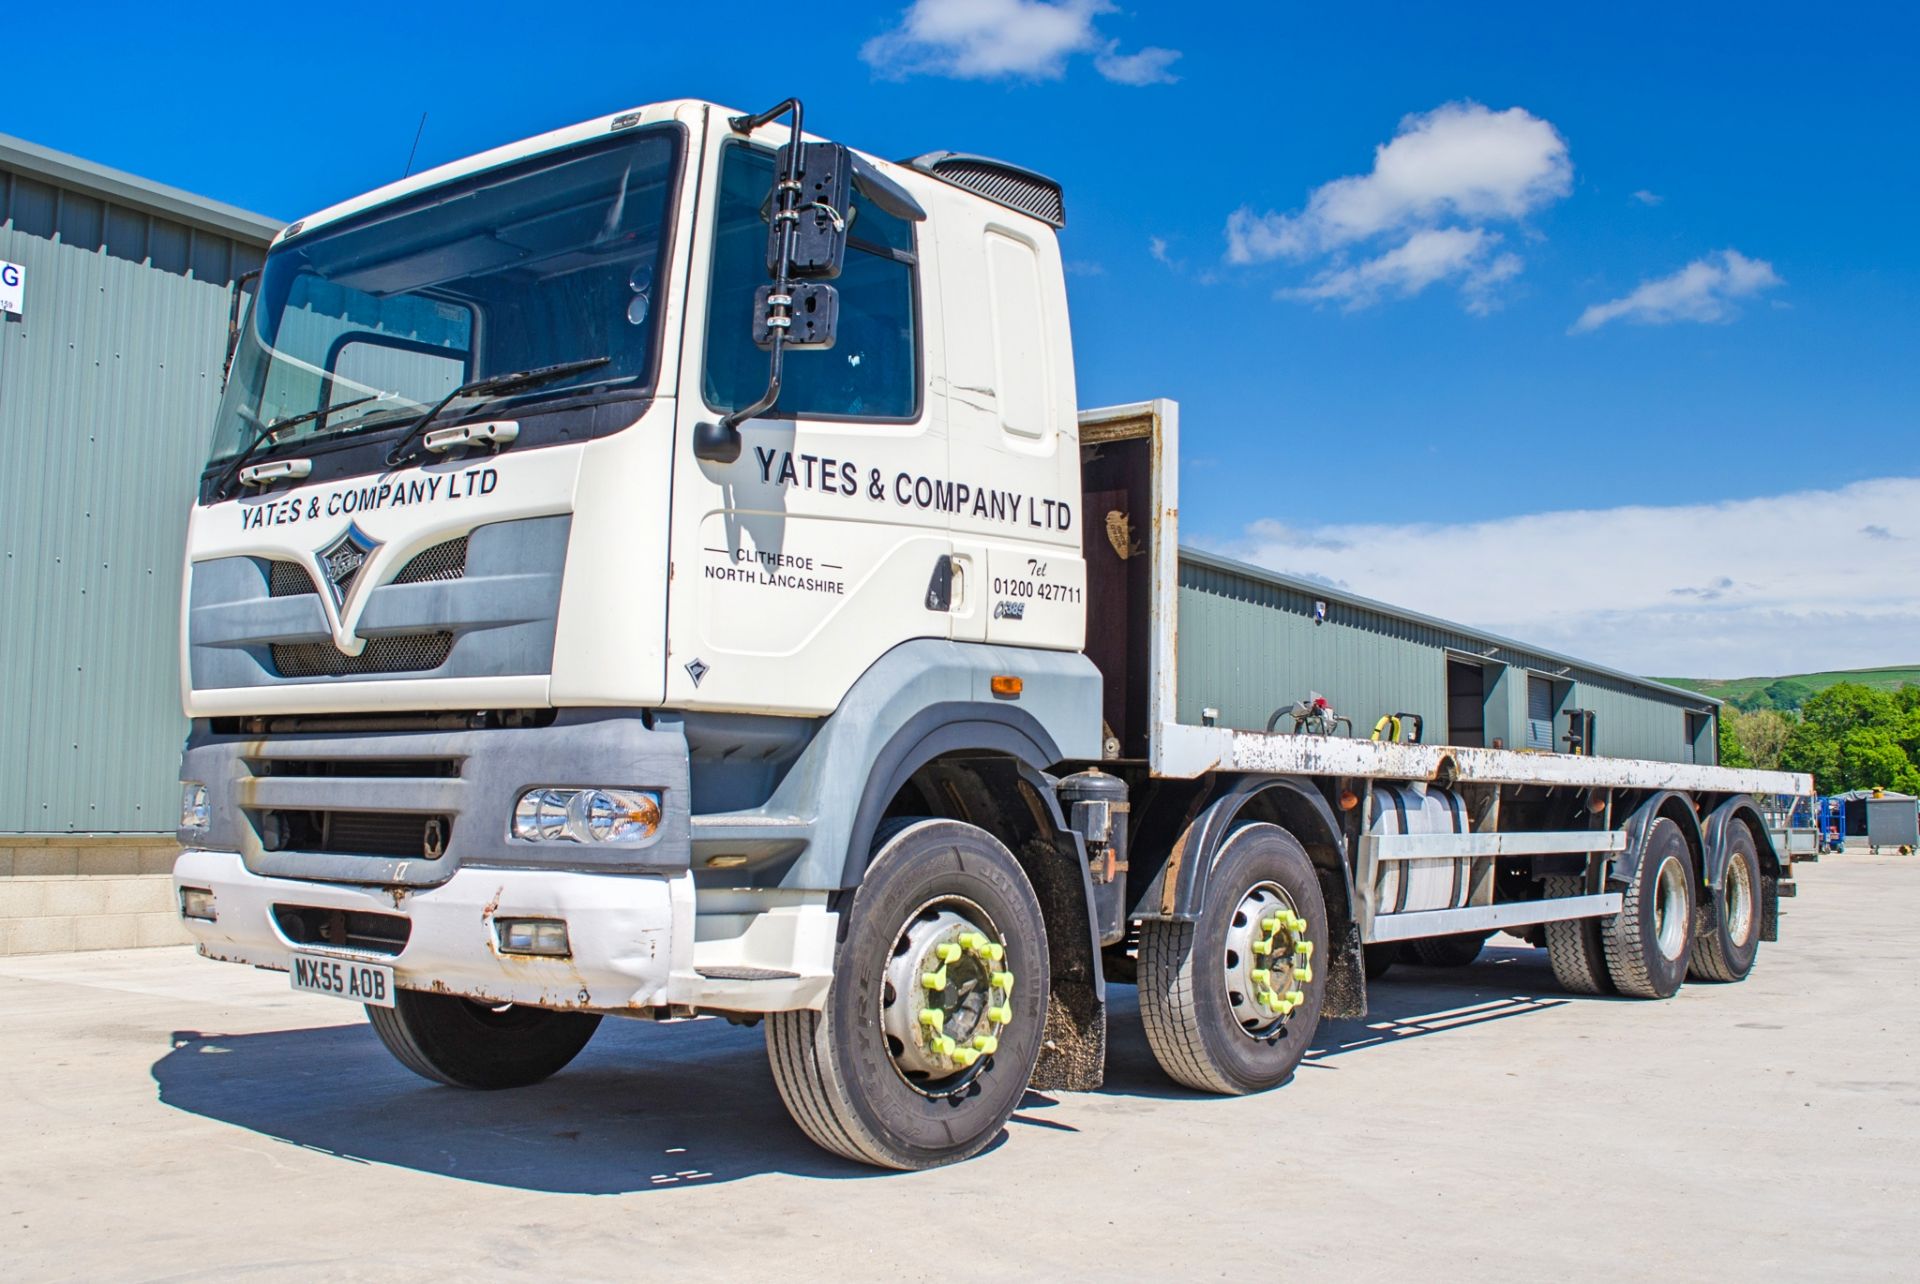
[{"x": 1016, "y": 188}]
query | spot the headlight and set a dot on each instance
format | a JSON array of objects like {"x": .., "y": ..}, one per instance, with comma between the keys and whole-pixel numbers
[
  {"x": 193, "y": 805},
  {"x": 623, "y": 817}
]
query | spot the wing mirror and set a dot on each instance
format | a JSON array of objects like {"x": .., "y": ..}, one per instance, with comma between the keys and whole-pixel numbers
[{"x": 813, "y": 186}]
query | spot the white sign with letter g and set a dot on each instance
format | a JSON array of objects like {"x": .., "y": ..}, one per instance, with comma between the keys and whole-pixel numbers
[{"x": 13, "y": 287}]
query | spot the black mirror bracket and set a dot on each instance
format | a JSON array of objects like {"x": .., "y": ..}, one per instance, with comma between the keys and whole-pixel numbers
[{"x": 778, "y": 305}]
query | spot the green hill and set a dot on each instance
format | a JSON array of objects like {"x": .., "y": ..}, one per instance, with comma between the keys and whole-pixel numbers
[{"x": 1790, "y": 691}]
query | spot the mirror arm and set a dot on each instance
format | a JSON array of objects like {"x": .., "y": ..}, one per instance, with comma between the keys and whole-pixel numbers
[{"x": 720, "y": 443}]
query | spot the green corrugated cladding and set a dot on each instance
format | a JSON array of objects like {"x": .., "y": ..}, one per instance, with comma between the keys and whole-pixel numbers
[
  {"x": 1248, "y": 644},
  {"x": 108, "y": 383}
]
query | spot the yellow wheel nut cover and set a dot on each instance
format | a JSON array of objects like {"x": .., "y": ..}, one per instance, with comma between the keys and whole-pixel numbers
[
  {"x": 1296, "y": 998},
  {"x": 965, "y": 1056},
  {"x": 1003, "y": 981},
  {"x": 1304, "y": 949},
  {"x": 935, "y": 980},
  {"x": 1303, "y": 974},
  {"x": 933, "y": 1018},
  {"x": 1260, "y": 975},
  {"x": 986, "y": 1044},
  {"x": 948, "y": 952},
  {"x": 943, "y": 1046},
  {"x": 1000, "y": 1015}
]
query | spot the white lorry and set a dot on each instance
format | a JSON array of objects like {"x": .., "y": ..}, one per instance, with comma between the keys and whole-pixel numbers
[{"x": 640, "y": 572}]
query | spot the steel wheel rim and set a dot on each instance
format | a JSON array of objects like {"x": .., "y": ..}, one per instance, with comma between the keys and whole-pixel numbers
[
  {"x": 1737, "y": 894},
  {"x": 1267, "y": 960},
  {"x": 951, "y": 940},
  {"x": 1670, "y": 908}
]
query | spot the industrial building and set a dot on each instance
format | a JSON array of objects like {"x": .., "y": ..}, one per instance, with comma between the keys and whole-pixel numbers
[
  {"x": 1253, "y": 641},
  {"x": 116, "y": 294}
]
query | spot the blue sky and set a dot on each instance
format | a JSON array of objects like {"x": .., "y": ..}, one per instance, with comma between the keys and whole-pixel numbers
[{"x": 1388, "y": 384}]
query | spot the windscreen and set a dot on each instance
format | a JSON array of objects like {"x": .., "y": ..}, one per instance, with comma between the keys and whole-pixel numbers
[{"x": 552, "y": 260}]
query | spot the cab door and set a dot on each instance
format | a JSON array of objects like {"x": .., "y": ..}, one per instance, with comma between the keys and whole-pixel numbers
[{"x": 826, "y": 543}]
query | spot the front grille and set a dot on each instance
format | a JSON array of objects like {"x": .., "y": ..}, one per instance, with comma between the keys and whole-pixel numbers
[
  {"x": 446, "y": 561},
  {"x": 288, "y": 579},
  {"x": 406, "y": 653},
  {"x": 412, "y": 768},
  {"x": 379, "y": 833},
  {"x": 343, "y": 929}
]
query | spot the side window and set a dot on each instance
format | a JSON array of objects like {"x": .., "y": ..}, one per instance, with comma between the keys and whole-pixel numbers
[{"x": 872, "y": 370}]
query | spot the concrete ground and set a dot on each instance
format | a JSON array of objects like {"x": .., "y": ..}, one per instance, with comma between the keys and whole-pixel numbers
[{"x": 164, "y": 1117}]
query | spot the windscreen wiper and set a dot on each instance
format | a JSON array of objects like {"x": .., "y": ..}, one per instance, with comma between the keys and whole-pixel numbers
[
  {"x": 492, "y": 385},
  {"x": 268, "y": 433}
]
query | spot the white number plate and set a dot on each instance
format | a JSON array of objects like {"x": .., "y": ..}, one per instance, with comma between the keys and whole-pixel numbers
[{"x": 344, "y": 979}]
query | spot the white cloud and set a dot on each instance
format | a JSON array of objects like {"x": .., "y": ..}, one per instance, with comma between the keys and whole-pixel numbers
[
  {"x": 1157, "y": 247},
  {"x": 1703, "y": 290},
  {"x": 1790, "y": 583},
  {"x": 1648, "y": 198},
  {"x": 1148, "y": 67},
  {"x": 1015, "y": 39},
  {"x": 1459, "y": 162},
  {"x": 1427, "y": 256}
]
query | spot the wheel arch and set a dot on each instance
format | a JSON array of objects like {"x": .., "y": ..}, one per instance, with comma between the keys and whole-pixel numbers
[
  {"x": 1717, "y": 832},
  {"x": 985, "y": 765},
  {"x": 1669, "y": 804},
  {"x": 1296, "y": 805}
]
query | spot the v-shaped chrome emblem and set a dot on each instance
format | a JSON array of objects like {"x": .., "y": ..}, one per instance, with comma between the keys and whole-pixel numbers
[{"x": 341, "y": 565}]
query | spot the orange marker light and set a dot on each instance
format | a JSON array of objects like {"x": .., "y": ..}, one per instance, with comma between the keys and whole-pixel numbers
[{"x": 1006, "y": 686}]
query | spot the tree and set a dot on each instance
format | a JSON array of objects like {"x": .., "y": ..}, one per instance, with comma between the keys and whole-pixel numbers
[
  {"x": 1732, "y": 752},
  {"x": 1854, "y": 737},
  {"x": 1762, "y": 736}
]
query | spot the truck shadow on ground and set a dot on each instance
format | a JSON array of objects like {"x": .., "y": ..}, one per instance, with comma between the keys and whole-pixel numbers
[
  {"x": 1410, "y": 1002},
  {"x": 665, "y": 1107}
]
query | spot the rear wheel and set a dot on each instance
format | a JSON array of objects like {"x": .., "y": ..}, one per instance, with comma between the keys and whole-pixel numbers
[
  {"x": 933, "y": 1024},
  {"x": 1647, "y": 943},
  {"x": 1457, "y": 950},
  {"x": 465, "y": 1044},
  {"x": 1726, "y": 925},
  {"x": 1231, "y": 1001},
  {"x": 1574, "y": 948}
]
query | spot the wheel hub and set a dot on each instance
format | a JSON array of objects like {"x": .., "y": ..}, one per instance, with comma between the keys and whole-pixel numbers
[
  {"x": 1269, "y": 957},
  {"x": 1670, "y": 909},
  {"x": 1738, "y": 906},
  {"x": 948, "y": 997}
]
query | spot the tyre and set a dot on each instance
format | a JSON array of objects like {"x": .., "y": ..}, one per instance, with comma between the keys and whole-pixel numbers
[
  {"x": 1231, "y": 1001},
  {"x": 1726, "y": 925},
  {"x": 1457, "y": 950},
  {"x": 464, "y": 1044},
  {"x": 1380, "y": 957},
  {"x": 1648, "y": 942},
  {"x": 1574, "y": 948},
  {"x": 939, "y": 1002}
]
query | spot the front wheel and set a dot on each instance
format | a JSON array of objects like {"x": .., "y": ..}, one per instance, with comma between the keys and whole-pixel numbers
[
  {"x": 465, "y": 1044},
  {"x": 930, "y": 1032},
  {"x": 1231, "y": 1000}
]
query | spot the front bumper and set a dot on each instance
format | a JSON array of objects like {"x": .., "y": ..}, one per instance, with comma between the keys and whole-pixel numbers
[
  {"x": 638, "y": 944},
  {"x": 625, "y": 930}
]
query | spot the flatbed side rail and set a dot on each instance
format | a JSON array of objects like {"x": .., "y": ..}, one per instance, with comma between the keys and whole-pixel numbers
[{"x": 1188, "y": 752}]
